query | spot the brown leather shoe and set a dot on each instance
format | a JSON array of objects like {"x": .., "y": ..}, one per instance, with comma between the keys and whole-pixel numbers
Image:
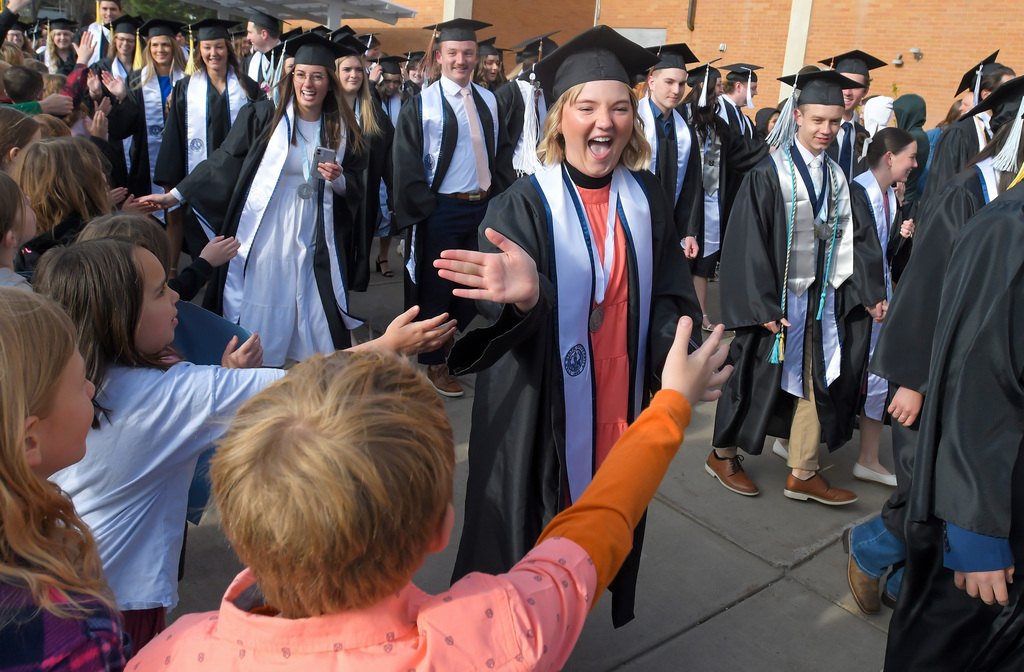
[
  {"x": 442, "y": 381},
  {"x": 818, "y": 489},
  {"x": 730, "y": 474},
  {"x": 863, "y": 587}
]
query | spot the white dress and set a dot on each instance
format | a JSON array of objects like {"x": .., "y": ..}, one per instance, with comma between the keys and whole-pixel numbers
[{"x": 280, "y": 301}]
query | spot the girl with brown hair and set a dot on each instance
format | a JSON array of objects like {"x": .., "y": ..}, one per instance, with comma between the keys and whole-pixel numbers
[
  {"x": 57, "y": 608},
  {"x": 286, "y": 209},
  {"x": 64, "y": 180},
  {"x": 17, "y": 132}
]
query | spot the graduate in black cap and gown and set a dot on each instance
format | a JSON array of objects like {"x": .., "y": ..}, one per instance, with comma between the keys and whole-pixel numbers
[
  {"x": 675, "y": 154},
  {"x": 60, "y": 55},
  {"x": 264, "y": 33},
  {"x": 739, "y": 88},
  {"x": 120, "y": 58},
  {"x": 450, "y": 157},
  {"x": 967, "y": 136},
  {"x": 523, "y": 104},
  {"x": 285, "y": 208},
  {"x": 846, "y": 150},
  {"x": 725, "y": 157},
  {"x": 801, "y": 281},
  {"x": 204, "y": 105},
  {"x": 142, "y": 103},
  {"x": 561, "y": 379},
  {"x": 101, "y": 29},
  {"x": 959, "y": 607},
  {"x": 490, "y": 69}
]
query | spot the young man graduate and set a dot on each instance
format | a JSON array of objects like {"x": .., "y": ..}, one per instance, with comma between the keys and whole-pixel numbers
[
  {"x": 855, "y": 66},
  {"x": 451, "y": 155},
  {"x": 801, "y": 281},
  {"x": 675, "y": 154},
  {"x": 959, "y": 607},
  {"x": 264, "y": 32},
  {"x": 738, "y": 90},
  {"x": 108, "y": 11},
  {"x": 967, "y": 136},
  {"x": 523, "y": 104}
]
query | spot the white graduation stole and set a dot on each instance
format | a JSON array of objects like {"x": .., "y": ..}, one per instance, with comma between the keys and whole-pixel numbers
[
  {"x": 255, "y": 63},
  {"x": 573, "y": 263},
  {"x": 197, "y": 114},
  {"x": 989, "y": 180},
  {"x": 524, "y": 159},
  {"x": 435, "y": 125},
  {"x": 882, "y": 227},
  {"x": 683, "y": 142},
  {"x": 153, "y": 103},
  {"x": 98, "y": 32},
  {"x": 261, "y": 191}
]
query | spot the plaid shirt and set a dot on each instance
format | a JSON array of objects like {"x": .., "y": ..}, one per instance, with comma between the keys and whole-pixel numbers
[{"x": 33, "y": 639}]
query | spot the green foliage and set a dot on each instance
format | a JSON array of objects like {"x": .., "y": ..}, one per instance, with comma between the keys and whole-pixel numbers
[{"x": 168, "y": 9}]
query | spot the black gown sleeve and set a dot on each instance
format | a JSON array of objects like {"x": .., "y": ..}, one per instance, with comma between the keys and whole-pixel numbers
[
  {"x": 954, "y": 150},
  {"x": 414, "y": 201},
  {"x": 689, "y": 210},
  {"x": 170, "y": 164},
  {"x": 189, "y": 281},
  {"x": 124, "y": 115},
  {"x": 7, "y": 19},
  {"x": 866, "y": 287},
  {"x": 504, "y": 174}
]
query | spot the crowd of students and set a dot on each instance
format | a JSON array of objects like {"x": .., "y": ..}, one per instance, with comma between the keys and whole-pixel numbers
[{"x": 581, "y": 203}]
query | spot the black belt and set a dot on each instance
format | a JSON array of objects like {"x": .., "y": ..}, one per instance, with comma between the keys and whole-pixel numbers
[{"x": 469, "y": 195}]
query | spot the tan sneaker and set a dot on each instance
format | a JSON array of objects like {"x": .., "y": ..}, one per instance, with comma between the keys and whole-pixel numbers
[
  {"x": 818, "y": 489},
  {"x": 729, "y": 472},
  {"x": 442, "y": 381}
]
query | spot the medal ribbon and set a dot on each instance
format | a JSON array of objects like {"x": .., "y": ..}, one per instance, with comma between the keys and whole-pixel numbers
[{"x": 603, "y": 272}]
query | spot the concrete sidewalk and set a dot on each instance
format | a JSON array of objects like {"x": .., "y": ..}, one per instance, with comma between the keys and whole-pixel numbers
[{"x": 726, "y": 582}]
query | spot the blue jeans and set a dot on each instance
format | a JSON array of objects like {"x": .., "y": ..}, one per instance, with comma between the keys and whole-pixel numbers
[{"x": 875, "y": 549}]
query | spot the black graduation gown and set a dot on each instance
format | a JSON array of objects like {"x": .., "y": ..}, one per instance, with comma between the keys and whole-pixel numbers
[
  {"x": 859, "y": 135},
  {"x": 690, "y": 204},
  {"x": 969, "y": 470},
  {"x": 64, "y": 233},
  {"x": 172, "y": 164},
  {"x": 753, "y": 403},
  {"x": 411, "y": 88},
  {"x": 7, "y": 19},
  {"x": 232, "y": 168},
  {"x": 954, "y": 149},
  {"x": 367, "y": 211},
  {"x": 739, "y": 156},
  {"x": 127, "y": 119},
  {"x": 903, "y": 351},
  {"x": 517, "y": 477},
  {"x": 414, "y": 198}
]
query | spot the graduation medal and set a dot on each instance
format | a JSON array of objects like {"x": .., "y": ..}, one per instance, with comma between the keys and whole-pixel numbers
[
  {"x": 306, "y": 191},
  {"x": 596, "y": 319}
]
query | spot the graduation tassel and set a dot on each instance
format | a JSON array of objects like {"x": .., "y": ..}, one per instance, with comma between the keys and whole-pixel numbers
[
  {"x": 750, "y": 95},
  {"x": 977, "y": 84},
  {"x": 98, "y": 19},
  {"x": 1017, "y": 180},
  {"x": 190, "y": 67},
  {"x": 704, "y": 88},
  {"x": 778, "y": 354},
  {"x": 137, "y": 61},
  {"x": 1006, "y": 159},
  {"x": 785, "y": 127}
]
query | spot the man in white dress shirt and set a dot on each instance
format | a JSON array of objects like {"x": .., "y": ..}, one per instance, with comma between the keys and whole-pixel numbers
[
  {"x": 738, "y": 91},
  {"x": 264, "y": 32}
]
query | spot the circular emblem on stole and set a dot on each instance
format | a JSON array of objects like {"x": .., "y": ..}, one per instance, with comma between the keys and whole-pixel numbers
[
  {"x": 575, "y": 360},
  {"x": 428, "y": 162},
  {"x": 196, "y": 145},
  {"x": 155, "y": 130}
]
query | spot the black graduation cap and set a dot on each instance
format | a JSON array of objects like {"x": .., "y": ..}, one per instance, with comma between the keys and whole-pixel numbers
[
  {"x": 696, "y": 76},
  {"x": 211, "y": 29},
  {"x": 369, "y": 40},
  {"x": 596, "y": 54},
  {"x": 125, "y": 24},
  {"x": 487, "y": 48},
  {"x": 344, "y": 30},
  {"x": 20, "y": 27},
  {"x": 414, "y": 56},
  {"x": 291, "y": 34},
  {"x": 673, "y": 56},
  {"x": 392, "y": 65},
  {"x": 1004, "y": 103},
  {"x": 157, "y": 27},
  {"x": 824, "y": 87},
  {"x": 310, "y": 49},
  {"x": 457, "y": 30},
  {"x": 973, "y": 77},
  {"x": 535, "y": 46},
  {"x": 741, "y": 72},
  {"x": 855, "y": 62},
  {"x": 322, "y": 31},
  {"x": 236, "y": 34},
  {"x": 61, "y": 23},
  {"x": 351, "y": 45},
  {"x": 265, "y": 20}
]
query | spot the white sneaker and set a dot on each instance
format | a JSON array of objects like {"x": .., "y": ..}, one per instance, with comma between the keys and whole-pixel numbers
[
  {"x": 780, "y": 450},
  {"x": 862, "y": 473}
]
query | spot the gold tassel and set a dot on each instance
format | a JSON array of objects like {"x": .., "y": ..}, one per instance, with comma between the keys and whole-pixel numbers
[
  {"x": 137, "y": 63},
  {"x": 190, "y": 67},
  {"x": 98, "y": 19},
  {"x": 1017, "y": 180}
]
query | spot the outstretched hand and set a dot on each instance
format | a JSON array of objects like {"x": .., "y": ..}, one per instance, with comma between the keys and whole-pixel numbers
[
  {"x": 695, "y": 375},
  {"x": 406, "y": 337},
  {"x": 509, "y": 276},
  {"x": 249, "y": 355},
  {"x": 115, "y": 85}
]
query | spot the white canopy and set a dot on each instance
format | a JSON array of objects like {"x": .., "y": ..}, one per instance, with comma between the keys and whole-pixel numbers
[{"x": 331, "y": 13}]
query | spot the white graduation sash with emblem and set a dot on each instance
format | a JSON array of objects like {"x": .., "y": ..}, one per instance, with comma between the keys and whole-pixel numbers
[
  {"x": 197, "y": 114},
  {"x": 683, "y": 142},
  {"x": 153, "y": 103},
  {"x": 573, "y": 274}
]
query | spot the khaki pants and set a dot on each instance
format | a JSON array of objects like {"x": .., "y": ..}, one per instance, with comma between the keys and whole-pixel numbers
[{"x": 805, "y": 432}]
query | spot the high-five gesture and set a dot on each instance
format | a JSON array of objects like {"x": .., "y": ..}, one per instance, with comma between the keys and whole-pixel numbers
[
  {"x": 115, "y": 85},
  {"x": 696, "y": 375},
  {"x": 509, "y": 276}
]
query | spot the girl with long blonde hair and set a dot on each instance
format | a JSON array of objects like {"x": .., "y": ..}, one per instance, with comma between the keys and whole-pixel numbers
[
  {"x": 56, "y": 602},
  {"x": 60, "y": 55},
  {"x": 572, "y": 356}
]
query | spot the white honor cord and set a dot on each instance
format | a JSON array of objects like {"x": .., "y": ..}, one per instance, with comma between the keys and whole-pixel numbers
[{"x": 602, "y": 275}]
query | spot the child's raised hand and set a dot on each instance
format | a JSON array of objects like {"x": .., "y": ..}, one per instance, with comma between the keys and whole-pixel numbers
[
  {"x": 220, "y": 250},
  {"x": 411, "y": 338},
  {"x": 248, "y": 356},
  {"x": 694, "y": 375}
]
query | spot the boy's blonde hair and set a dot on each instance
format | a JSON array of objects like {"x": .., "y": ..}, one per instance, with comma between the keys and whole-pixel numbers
[
  {"x": 44, "y": 546},
  {"x": 551, "y": 150},
  {"x": 333, "y": 482}
]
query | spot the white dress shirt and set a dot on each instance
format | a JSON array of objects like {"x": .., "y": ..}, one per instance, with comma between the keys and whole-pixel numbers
[{"x": 461, "y": 175}]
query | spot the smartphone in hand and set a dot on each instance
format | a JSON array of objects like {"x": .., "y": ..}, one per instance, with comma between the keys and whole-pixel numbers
[{"x": 322, "y": 155}]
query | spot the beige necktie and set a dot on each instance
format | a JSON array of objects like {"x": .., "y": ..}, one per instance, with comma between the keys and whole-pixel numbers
[{"x": 483, "y": 174}]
